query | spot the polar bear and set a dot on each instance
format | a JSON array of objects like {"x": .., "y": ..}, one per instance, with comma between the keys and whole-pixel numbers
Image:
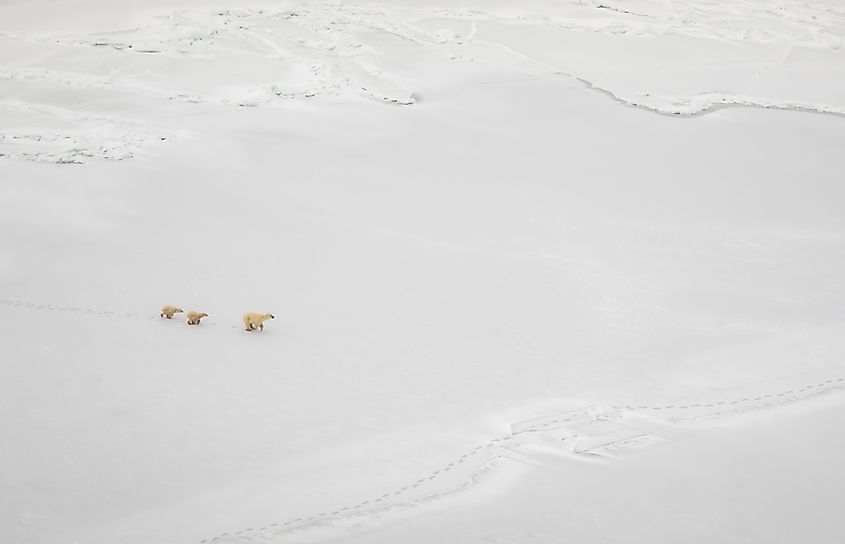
[
  {"x": 253, "y": 320},
  {"x": 168, "y": 311},
  {"x": 195, "y": 317}
]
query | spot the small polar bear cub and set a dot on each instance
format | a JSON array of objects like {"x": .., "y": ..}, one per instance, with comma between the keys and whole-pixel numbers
[
  {"x": 253, "y": 321},
  {"x": 169, "y": 311},
  {"x": 195, "y": 317}
]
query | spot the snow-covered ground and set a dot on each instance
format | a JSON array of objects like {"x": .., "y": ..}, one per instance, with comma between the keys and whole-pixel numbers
[{"x": 552, "y": 271}]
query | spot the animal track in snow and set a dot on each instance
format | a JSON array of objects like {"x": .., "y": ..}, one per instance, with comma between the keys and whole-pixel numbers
[
  {"x": 14, "y": 303},
  {"x": 589, "y": 432},
  {"x": 595, "y": 431}
]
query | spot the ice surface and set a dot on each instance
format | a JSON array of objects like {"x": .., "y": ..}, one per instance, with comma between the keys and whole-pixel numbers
[{"x": 504, "y": 243}]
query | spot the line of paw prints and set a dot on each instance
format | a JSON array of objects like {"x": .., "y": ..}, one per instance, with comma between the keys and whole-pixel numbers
[
  {"x": 73, "y": 309},
  {"x": 741, "y": 404},
  {"x": 295, "y": 523},
  {"x": 495, "y": 446},
  {"x": 695, "y": 410},
  {"x": 89, "y": 311}
]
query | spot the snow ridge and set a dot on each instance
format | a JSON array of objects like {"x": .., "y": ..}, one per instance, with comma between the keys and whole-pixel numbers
[
  {"x": 708, "y": 102},
  {"x": 70, "y": 137},
  {"x": 267, "y": 57}
]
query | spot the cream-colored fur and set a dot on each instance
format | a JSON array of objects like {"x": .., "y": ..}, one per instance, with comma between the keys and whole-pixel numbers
[
  {"x": 169, "y": 311},
  {"x": 195, "y": 317},
  {"x": 253, "y": 320}
]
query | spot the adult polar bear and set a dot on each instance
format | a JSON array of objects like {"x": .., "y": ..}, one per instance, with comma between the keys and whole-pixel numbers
[{"x": 253, "y": 321}]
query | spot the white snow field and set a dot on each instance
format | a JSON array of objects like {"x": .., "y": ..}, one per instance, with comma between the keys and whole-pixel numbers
[{"x": 541, "y": 271}]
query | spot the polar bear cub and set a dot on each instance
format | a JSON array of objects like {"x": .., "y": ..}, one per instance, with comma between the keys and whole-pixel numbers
[
  {"x": 253, "y": 320},
  {"x": 195, "y": 317},
  {"x": 169, "y": 311}
]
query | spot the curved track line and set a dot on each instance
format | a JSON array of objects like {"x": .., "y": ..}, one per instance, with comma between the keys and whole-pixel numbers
[
  {"x": 497, "y": 447},
  {"x": 407, "y": 495},
  {"x": 411, "y": 493}
]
